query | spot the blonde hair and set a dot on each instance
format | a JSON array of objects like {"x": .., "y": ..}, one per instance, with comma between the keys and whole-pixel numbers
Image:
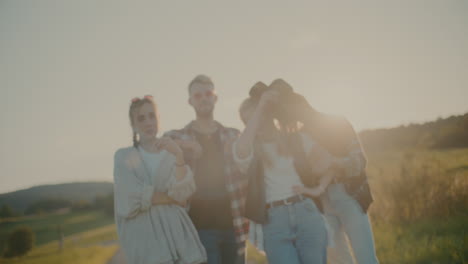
[
  {"x": 201, "y": 79},
  {"x": 135, "y": 106},
  {"x": 249, "y": 105}
]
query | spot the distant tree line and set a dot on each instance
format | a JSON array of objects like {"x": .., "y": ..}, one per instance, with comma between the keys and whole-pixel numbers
[
  {"x": 451, "y": 132},
  {"x": 45, "y": 206},
  {"x": 100, "y": 202},
  {"x": 6, "y": 212}
]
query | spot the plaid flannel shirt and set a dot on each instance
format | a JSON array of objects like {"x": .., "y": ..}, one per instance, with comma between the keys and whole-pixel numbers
[{"x": 235, "y": 184}]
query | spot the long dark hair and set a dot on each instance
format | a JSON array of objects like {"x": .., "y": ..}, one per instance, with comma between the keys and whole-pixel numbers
[
  {"x": 333, "y": 133},
  {"x": 295, "y": 114}
]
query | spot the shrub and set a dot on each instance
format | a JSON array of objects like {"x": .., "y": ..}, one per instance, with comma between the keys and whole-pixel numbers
[
  {"x": 6, "y": 211},
  {"x": 20, "y": 242}
]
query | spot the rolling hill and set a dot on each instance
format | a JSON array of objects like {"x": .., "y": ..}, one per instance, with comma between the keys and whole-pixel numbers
[{"x": 80, "y": 191}]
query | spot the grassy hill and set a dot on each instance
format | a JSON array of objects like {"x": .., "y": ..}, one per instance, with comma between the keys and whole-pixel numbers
[{"x": 82, "y": 191}]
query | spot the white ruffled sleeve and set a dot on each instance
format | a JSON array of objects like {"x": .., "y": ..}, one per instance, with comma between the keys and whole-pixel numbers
[
  {"x": 181, "y": 190},
  {"x": 131, "y": 195}
]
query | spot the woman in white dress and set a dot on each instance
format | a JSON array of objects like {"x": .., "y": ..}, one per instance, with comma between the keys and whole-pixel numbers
[{"x": 152, "y": 185}]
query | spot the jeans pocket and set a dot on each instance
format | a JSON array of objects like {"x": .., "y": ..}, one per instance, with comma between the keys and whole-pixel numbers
[{"x": 277, "y": 220}]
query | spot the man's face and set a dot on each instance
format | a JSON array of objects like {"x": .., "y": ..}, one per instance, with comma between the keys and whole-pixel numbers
[{"x": 203, "y": 99}]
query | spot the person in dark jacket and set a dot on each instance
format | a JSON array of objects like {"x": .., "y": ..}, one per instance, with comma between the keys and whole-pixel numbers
[{"x": 346, "y": 195}]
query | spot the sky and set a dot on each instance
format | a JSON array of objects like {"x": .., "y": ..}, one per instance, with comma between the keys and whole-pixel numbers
[{"x": 68, "y": 69}]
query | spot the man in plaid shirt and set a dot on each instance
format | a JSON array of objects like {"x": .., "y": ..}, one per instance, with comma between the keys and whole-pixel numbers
[{"x": 217, "y": 206}]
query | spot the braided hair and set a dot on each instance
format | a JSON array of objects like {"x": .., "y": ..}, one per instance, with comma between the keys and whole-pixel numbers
[{"x": 135, "y": 139}]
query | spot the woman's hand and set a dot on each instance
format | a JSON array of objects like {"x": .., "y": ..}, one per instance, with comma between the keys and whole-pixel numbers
[
  {"x": 170, "y": 146},
  {"x": 191, "y": 145}
]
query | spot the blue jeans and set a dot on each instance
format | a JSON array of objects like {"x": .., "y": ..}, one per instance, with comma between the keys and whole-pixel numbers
[
  {"x": 295, "y": 234},
  {"x": 348, "y": 222},
  {"x": 221, "y": 246}
]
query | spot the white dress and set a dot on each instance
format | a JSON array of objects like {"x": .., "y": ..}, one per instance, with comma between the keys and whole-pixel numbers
[{"x": 153, "y": 234}]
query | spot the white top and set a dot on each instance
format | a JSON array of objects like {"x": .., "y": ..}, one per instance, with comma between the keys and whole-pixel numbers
[
  {"x": 281, "y": 176},
  {"x": 156, "y": 234}
]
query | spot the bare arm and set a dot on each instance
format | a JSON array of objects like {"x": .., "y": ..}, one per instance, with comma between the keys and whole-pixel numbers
[
  {"x": 315, "y": 191},
  {"x": 247, "y": 137},
  {"x": 322, "y": 163}
]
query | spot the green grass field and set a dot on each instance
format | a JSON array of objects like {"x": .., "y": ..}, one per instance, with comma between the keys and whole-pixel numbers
[
  {"x": 426, "y": 242},
  {"x": 420, "y": 213},
  {"x": 430, "y": 241},
  {"x": 419, "y": 243},
  {"x": 87, "y": 249},
  {"x": 419, "y": 216}
]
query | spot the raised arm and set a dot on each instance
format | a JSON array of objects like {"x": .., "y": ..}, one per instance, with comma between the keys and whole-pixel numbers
[{"x": 244, "y": 144}]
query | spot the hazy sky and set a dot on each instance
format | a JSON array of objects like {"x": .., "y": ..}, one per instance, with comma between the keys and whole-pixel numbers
[{"x": 68, "y": 69}]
